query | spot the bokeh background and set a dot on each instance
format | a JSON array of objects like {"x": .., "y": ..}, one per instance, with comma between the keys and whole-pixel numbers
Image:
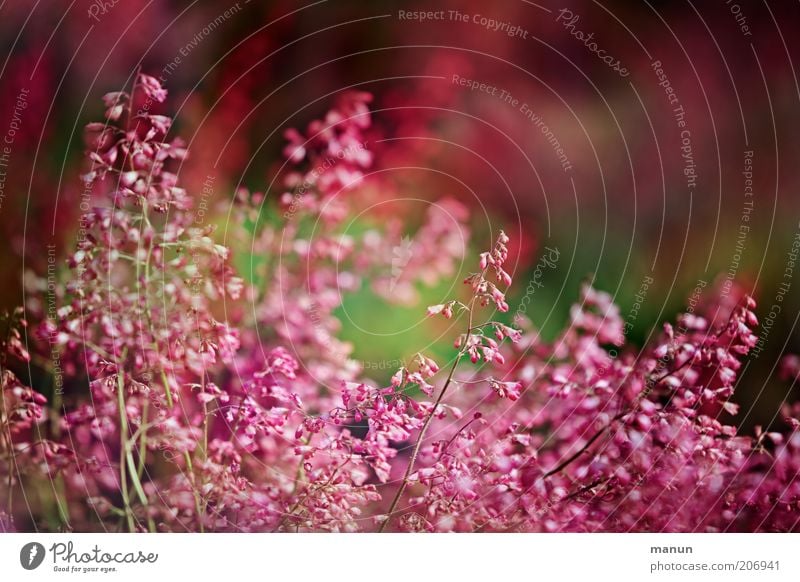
[{"x": 615, "y": 201}]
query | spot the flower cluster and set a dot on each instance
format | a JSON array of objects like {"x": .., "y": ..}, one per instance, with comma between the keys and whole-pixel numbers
[{"x": 181, "y": 410}]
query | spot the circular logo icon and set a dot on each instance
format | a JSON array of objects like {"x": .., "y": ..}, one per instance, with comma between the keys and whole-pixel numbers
[{"x": 31, "y": 555}]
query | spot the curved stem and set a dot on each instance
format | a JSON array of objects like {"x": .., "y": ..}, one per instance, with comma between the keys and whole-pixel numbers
[
  {"x": 423, "y": 431},
  {"x": 563, "y": 464},
  {"x": 418, "y": 445},
  {"x": 123, "y": 445}
]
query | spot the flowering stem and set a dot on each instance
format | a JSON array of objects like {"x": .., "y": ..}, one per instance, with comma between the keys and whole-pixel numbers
[
  {"x": 563, "y": 465},
  {"x": 7, "y": 435},
  {"x": 7, "y": 424},
  {"x": 143, "y": 440},
  {"x": 455, "y": 436},
  {"x": 198, "y": 506},
  {"x": 205, "y": 421},
  {"x": 307, "y": 493},
  {"x": 126, "y": 462},
  {"x": 123, "y": 435},
  {"x": 428, "y": 420},
  {"x": 418, "y": 444},
  {"x": 151, "y": 327},
  {"x": 167, "y": 390}
]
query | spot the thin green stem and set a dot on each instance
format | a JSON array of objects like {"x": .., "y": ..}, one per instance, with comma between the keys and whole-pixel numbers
[
  {"x": 167, "y": 389},
  {"x": 123, "y": 435},
  {"x": 197, "y": 503},
  {"x": 7, "y": 435},
  {"x": 563, "y": 465},
  {"x": 142, "y": 436}
]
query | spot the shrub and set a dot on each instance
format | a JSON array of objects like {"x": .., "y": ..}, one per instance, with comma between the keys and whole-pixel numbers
[{"x": 196, "y": 399}]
